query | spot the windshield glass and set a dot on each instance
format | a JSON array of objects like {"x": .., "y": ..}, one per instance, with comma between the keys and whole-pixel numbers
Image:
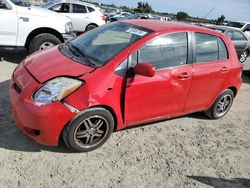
[
  {"x": 103, "y": 43},
  {"x": 236, "y": 24},
  {"x": 22, "y": 3}
]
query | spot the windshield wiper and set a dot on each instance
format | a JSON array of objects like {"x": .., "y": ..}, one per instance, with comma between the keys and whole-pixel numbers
[{"x": 81, "y": 54}]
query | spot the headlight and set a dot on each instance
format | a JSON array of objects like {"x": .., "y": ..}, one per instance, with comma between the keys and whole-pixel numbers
[
  {"x": 56, "y": 90},
  {"x": 68, "y": 27}
]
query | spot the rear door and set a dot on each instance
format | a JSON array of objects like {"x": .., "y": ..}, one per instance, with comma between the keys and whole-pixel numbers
[
  {"x": 164, "y": 95},
  {"x": 211, "y": 68},
  {"x": 8, "y": 24},
  {"x": 80, "y": 17}
]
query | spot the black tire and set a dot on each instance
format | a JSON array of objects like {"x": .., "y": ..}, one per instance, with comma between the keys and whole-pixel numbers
[
  {"x": 90, "y": 27},
  {"x": 221, "y": 105},
  {"x": 79, "y": 138},
  {"x": 41, "y": 40},
  {"x": 243, "y": 56}
]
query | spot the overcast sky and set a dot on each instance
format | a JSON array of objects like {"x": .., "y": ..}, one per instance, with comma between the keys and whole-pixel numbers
[{"x": 231, "y": 9}]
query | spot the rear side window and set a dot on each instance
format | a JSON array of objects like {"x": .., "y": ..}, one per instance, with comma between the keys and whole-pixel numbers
[
  {"x": 209, "y": 48},
  {"x": 206, "y": 48},
  {"x": 166, "y": 51},
  {"x": 79, "y": 8},
  {"x": 91, "y": 9}
]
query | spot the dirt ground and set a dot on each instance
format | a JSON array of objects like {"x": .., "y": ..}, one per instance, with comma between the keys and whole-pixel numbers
[{"x": 190, "y": 151}]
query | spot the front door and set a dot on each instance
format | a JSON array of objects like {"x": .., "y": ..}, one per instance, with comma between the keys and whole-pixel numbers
[
  {"x": 164, "y": 95},
  {"x": 8, "y": 24}
]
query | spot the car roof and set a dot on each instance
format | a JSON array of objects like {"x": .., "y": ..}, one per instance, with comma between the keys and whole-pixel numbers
[
  {"x": 223, "y": 28},
  {"x": 160, "y": 25},
  {"x": 73, "y": 1}
]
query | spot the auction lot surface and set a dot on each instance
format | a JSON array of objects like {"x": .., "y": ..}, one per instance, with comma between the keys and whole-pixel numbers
[{"x": 190, "y": 151}]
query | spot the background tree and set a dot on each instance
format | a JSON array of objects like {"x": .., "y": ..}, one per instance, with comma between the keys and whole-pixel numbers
[
  {"x": 143, "y": 7},
  {"x": 182, "y": 15},
  {"x": 220, "y": 20}
]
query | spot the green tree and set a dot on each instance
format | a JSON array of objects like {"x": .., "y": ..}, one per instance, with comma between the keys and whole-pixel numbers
[
  {"x": 143, "y": 7},
  {"x": 126, "y": 9},
  {"x": 182, "y": 15},
  {"x": 221, "y": 20}
]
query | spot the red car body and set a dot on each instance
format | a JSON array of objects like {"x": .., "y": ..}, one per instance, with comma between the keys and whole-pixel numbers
[{"x": 169, "y": 93}]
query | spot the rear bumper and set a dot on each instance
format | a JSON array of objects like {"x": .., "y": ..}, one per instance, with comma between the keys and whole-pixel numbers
[
  {"x": 43, "y": 123},
  {"x": 68, "y": 36}
]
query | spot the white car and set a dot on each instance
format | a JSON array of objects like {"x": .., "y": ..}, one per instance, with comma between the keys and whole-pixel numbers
[
  {"x": 244, "y": 26},
  {"x": 84, "y": 16},
  {"x": 23, "y": 25},
  {"x": 122, "y": 14}
]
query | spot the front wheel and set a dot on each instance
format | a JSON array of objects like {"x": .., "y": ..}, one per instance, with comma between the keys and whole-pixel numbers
[
  {"x": 43, "y": 41},
  {"x": 221, "y": 105},
  {"x": 89, "y": 130}
]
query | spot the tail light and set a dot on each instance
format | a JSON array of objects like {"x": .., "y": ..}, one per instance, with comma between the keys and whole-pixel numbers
[{"x": 104, "y": 18}]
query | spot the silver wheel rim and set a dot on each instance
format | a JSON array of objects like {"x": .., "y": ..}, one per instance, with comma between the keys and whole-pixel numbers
[
  {"x": 46, "y": 45},
  {"x": 223, "y": 105},
  {"x": 243, "y": 56},
  {"x": 91, "y": 131}
]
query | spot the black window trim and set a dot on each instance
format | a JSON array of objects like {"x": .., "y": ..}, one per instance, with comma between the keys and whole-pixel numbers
[{"x": 194, "y": 49}]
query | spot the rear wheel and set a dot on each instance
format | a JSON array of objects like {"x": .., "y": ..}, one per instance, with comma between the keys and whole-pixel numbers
[
  {"x": 89, "y": 130},
  {"x": 90, "y": 27},
  {"x": 43, "y": 41},
  {"x": 222, "y": 105}
]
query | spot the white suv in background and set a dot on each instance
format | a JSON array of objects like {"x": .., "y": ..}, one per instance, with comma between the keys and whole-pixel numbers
[
  {"x": 84, "y": 16},
  {"x": 24, "y": 25}
]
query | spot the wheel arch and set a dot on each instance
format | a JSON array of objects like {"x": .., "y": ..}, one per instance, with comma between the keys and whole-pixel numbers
[
  {"x": 41, "y": 30},
  {"x": 111, "y": 110},
  {"x": 94, "y": 24},
  {"x": 234, "y": 89}
]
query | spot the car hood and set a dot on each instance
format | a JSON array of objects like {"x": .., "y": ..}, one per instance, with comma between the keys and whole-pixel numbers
[{"x": 51, "y": 63}]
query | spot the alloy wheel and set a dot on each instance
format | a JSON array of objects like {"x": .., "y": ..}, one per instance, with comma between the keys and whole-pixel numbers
[
  {"x": 223, "y": 105},
  {"x": 91, "y": 131}
]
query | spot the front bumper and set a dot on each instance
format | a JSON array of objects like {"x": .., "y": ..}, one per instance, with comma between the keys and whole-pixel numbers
[
  {"x": 68, "y": 36},
  {"x": 43, "y": 123}
]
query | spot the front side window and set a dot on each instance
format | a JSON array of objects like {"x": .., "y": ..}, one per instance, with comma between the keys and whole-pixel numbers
[
  {"x": 79, "y": 8},
  {"x": 239, "y": 36},
  {"x": 166, "y": 51},
  {"x": 103, "y": 43},
  {"x": 209, "y": 48}
]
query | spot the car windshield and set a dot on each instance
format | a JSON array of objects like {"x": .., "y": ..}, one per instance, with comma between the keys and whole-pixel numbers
[
  {"x": 236, "y": 24},
  {"x": 22, "y": 3},
  {"x": 102, "y": 44}
]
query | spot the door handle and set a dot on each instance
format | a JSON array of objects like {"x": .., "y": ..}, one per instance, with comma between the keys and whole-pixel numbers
[
  {"x": 224, "y": 69},
  {"x": 184, "y": 75}
]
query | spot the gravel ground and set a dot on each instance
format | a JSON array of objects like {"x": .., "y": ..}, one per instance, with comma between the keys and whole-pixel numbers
[{"x": 190, "y": 151}]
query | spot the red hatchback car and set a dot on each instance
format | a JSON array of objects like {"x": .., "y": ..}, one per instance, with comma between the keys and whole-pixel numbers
[{"x": 120, "y": 75}]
